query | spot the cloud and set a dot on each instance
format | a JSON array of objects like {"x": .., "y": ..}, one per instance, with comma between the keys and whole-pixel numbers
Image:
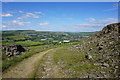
[
  {"x": 102, "y": 21},
  {"x": 6, "y": 15},
  {"x": 15, "y": 23},
  {"x": 3, "y": 26},
  {"x": 91, "y": 19},
  {"x": 97, "y": 25},
  {"x": 39, "y": 12},
  {"x": 27, "y": 22},
  {"x": 20, "y": 11},
  {"x": 69, "y": 18},
  {"x": 114, "y": 7},
  {"x": 88, "y": 25},
  {"x": 44, "y": 23},
  {"x": 19, "y": 18},
  {"x": 11, "y": 11},
  {"x": 29, "y": 15},
  {"x": 107, "y": 21},
  {"x": 78, "y": 28}
]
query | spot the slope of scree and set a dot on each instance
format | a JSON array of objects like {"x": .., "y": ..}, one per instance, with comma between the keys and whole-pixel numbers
[{"x": 103, "y": 49}]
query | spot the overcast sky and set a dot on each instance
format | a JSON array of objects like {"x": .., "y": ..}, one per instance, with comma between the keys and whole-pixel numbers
[{"x": 58, "y": 16}]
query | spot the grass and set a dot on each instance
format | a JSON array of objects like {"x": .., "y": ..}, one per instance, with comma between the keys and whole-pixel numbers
[
  {"x": 68, "y": 55},
  {"x": 38, "y": 47},
  {"x": 23, "y": 43},
  {"x": 72, "y": 60},
  {"x": 13, "y": 36},
  {"x": 28, "y": 43},
  {"x": 84, "y": 67}
]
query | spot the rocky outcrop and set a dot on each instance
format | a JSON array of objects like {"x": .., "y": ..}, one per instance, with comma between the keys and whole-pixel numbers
[
  {"x": 111, "y": 27},
  {"x": 13, "y": 50}
]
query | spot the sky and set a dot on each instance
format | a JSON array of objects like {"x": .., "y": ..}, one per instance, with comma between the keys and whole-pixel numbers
[
  {"x": 58, "y": 16},
  {"x": 60, "y": 1}
]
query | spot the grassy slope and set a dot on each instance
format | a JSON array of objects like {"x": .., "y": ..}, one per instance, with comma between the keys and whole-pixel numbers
[{"x": 72, "y": 62}]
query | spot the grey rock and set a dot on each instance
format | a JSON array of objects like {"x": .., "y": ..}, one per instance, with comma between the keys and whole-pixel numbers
[
  {"x": 92, "y": 76},
  {"x": 13, "y": 50},
  {"x": 105, "y": 65},
  {"x": 88, "y": 56},
  {"x": 100, "y": 48}
]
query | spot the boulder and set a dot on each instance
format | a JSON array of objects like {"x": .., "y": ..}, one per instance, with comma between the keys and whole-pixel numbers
[
  {"x": 13, "y": 50},
  {"x": 105, "y": 65},
  {"x": 92, "y": 76},
  {"x": 97, "y": 64},
  {"x": 100, "y": 48},
  {"x": 16, "y": 47},
  {"x": 88, "y": 56}
]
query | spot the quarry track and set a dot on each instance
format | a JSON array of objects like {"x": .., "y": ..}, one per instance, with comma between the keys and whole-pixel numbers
[{"x": 26, "y": 67}]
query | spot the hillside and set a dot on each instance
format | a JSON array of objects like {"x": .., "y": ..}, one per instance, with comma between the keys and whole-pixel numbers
[
  {"x": 104, "y": 50},
  {"x": 94, "y": 57}
]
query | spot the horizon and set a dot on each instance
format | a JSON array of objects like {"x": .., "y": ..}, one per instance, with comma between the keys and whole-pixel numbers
[
  {"x": 45, "y": 31},
  {"x": 58, "y": 16}
]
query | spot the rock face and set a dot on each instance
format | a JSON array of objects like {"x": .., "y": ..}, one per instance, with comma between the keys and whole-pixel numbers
[{"x": 13, "y": 50}]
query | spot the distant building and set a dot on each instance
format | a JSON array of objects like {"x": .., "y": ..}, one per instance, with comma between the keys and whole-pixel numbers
[
  {"x": 60, "y": 42},
  {"x": 30, "y": 34},
  {"x": 29, "y": 40},
  {"x": 86, "y": 36},
  {"x": 55, "y": 40},
  {"x": 43, "y": 39},
  {"x": 66, "y": 41},
  {"x": 50, "y": 38}
]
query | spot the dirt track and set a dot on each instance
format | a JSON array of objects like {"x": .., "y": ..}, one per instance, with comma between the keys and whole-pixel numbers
[
  {"x": 48, "y": 68},
  {"x": 25, "y": 68}
]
